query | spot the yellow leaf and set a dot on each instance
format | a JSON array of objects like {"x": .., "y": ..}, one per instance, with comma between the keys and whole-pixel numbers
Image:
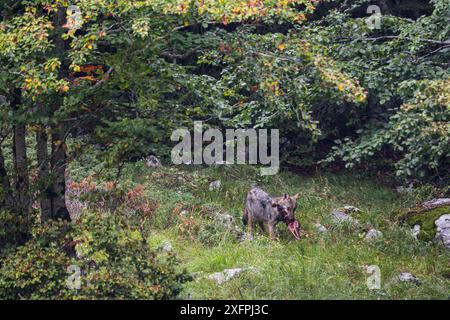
[
  {"x": 64, "y": 88},
  {"x": 281, "y": 46}
]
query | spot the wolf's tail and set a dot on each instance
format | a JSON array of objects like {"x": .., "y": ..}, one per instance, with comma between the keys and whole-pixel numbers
[{"x": 245, "y": 217}]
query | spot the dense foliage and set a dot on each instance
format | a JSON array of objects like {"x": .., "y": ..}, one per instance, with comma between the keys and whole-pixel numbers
[
  {"x": 115, "y": 77},
  {"x": 102, "y": 256}
]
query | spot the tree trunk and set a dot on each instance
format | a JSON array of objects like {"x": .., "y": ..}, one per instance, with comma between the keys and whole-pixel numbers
[
  {"x": 20, "y": 160},
  {"x": 58, "y": 170},
  {"x": 58, "y": 160},
  {"x": 44, "y": 174},
  {"x": 21, "y": 168},
  {"x": 6, "y": 199}
]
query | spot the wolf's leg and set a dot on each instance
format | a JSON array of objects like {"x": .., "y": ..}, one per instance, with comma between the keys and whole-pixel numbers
[
  {"x": 272, "y": 231},
  {"x": 262, "y": 225},
  {"x": 249, "y": 223},
  {"x": 245, "y": 217}
]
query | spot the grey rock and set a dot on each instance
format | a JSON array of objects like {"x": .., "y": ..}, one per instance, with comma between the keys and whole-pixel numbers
[
  {"x": 184, "y": 213},
  {"x": 225, "y": 219},
  {"x": 227, "y": 274},
  {"x": 373, "y": 234},
  {"x": 166, "y": 246},
  {"x": 407, "y": 277},
  {"x": 215, "y": 185},
  {"x": 153, "y": 162},
  {"x": 443, "y": 230},
  {"x": 437, "y": 203},
  {"x": 351, "y": 209},
  {"x": 415, "y": 231},
  {"x": 320, "y": 228},
  {"x": 246, "y": 237},
  {"x": 402, "y": 189},
  {"x": 340, "y": 217}
]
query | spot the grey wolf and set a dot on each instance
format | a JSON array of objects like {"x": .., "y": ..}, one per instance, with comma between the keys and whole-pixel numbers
[{"x": 261, "y": 209}]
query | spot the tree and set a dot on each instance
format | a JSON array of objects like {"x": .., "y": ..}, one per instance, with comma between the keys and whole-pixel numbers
[{"x": 55, "y": 58}]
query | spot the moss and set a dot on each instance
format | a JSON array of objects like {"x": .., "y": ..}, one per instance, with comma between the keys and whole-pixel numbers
[{"x": 426, "y": 219}]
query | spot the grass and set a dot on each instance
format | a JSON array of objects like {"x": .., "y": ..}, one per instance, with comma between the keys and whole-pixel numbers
[{"x": 320, "y": 266}]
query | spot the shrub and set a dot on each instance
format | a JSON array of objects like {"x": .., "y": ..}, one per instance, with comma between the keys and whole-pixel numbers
[
  {"x": 119, "y": 263},
  {"x": 37, "y": 269},
  {"x": 110, "y": 258},
  {"x": 13, "y": 229}
]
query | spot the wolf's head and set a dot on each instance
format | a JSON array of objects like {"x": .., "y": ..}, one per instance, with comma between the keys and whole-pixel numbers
[{"x": 285, "y": 207}]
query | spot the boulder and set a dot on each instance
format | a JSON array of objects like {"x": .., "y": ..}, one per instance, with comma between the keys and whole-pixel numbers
[
  {"x": 435, "y": 203},
  {"x": 215, "y": 185},
  {"x": 415, "y": 231},
  {"x": 320, "y": 228},
  {"x": 227, "y": 220},
  {"x": 340, "y": 217},
  {"x": 166, "y": 246},
  {"x": 373, "y": 234},
  {"x": 153, "y": 162},
  {"x": 424, "y": 218},
  {"x": 351, "y": 209},
  {"x": 227, "y": 274},
  {"x": 246, "y": 237},
  {"x": 443, "y": 230},
  {"x": 407, "y": 277}
]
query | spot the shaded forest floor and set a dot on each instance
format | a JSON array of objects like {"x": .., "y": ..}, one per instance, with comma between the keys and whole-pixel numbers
[{"x": 188, "y": 219}]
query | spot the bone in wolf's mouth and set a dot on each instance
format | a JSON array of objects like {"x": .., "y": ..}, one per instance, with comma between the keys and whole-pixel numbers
[{"x": 294, "y": 228}]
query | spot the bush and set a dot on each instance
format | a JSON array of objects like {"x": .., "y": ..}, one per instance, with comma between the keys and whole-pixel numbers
[
  {"x": 119, "y": 263},
  {"x": 37, "y": 269},
  {"x": 110, "y": 259},
  {"x": 14, "y": 230}
]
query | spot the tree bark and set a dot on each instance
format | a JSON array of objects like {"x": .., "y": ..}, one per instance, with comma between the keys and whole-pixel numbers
[
  {"x": 21, "y": 168},
  {"x": 20, "y": 160},
  {"x": 44, "y": 174},
  {"x": 6, "y": 199},
  {"x": 58, "y": 159},
  {"x": 58, "y": 170}
]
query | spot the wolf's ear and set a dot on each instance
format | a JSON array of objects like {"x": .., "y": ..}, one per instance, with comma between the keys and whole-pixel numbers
[
  {"x": 296, "y": 196},
  {"x": 285, "y": 195}
]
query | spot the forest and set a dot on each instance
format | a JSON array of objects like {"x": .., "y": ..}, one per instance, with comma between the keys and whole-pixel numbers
[{"x": 93, "y": 205}]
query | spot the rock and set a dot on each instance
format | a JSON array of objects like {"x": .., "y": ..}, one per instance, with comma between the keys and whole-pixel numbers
[
  {"x": 425, "y": 216},
  {"x": 227, "y": 274},
  {"x": 351, "y": 209},
  {"x": 320, "y": 228},
  {"x": 166, "y": 246},
  {"x": 436, "y": 203},
  {"x": 184, "y": 213},
  {"x": 373, "y": 234},
  {"x": 225, "y": 219},
  {"x": 153, "y": 162},
  {"x": 415, "y": 231},
  {"x": 340, "y": 217},
  {"x": 215, "y": 185},
  {"x": 443, "y": 230},
  {"x": 222, "y": 217},
  {"x": 3, "y": 100},
  {"x": 407, "y": 277},
  {"x": 402, "y": 189},
  {"x": 246, "y": 237}
]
